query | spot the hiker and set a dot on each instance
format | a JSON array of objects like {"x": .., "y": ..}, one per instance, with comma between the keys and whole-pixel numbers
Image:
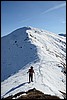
[{"x": 30, "y": 71}]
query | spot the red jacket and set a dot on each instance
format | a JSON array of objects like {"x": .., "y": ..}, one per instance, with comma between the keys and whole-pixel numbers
[{"x": 31, "y": 71}]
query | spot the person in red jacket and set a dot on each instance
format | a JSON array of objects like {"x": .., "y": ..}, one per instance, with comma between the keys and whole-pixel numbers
[{"x": 30, "y": 71}]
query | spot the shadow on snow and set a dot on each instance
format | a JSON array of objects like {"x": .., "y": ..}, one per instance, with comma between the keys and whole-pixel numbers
[
  {"x": 16, "y": 52},
  {"x": 15, "y": 88}
]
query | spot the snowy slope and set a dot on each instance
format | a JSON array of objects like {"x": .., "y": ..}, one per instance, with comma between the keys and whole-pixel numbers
[
  {"x": 44, "y": 50},
  {"x": 17, "y": 51}
]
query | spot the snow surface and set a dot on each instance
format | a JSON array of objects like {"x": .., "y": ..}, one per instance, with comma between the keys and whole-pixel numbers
[{"x": 45, "y": 51}]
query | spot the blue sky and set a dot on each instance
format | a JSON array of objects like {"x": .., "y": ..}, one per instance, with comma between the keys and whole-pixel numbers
[{"x": 47, "y": 15}]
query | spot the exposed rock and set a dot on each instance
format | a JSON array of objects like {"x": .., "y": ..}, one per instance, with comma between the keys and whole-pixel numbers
[{"x": 32, "y": 94}]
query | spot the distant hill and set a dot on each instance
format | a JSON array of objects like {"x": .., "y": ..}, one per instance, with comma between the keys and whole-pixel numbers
[{"x": 61, "y": 34}]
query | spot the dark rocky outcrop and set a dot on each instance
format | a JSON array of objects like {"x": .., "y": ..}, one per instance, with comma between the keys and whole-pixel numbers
[{"x": 32, "y": 94}]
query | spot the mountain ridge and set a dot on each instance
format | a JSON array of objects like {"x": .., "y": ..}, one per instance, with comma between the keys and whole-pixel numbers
[{"x": 44, "y": 50}]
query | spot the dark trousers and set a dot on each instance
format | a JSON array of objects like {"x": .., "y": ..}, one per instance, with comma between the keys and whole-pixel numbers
[{"x": 30, "y": 77}]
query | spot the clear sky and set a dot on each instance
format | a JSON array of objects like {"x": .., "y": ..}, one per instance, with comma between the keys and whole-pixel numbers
[{"x": 47, "y": 15}]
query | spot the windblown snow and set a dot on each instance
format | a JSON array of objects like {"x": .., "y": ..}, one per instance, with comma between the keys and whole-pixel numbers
[{"x": 45, "y": 51}]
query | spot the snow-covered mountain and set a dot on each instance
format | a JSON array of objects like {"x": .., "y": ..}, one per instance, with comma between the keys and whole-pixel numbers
[{"x": 45, "y": 51}]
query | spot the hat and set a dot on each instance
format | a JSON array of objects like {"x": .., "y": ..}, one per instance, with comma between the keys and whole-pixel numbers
[{"x": 31, "y": 66}]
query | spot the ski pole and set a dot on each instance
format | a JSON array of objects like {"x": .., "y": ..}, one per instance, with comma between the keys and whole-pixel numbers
[{"x": 35, "y": 77}]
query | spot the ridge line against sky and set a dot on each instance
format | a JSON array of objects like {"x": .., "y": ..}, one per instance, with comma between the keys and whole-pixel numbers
[{"x": 47, "y": 15}]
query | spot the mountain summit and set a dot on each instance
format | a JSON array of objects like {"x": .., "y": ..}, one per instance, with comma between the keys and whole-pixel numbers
[{"x": 45, "y": 51}]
